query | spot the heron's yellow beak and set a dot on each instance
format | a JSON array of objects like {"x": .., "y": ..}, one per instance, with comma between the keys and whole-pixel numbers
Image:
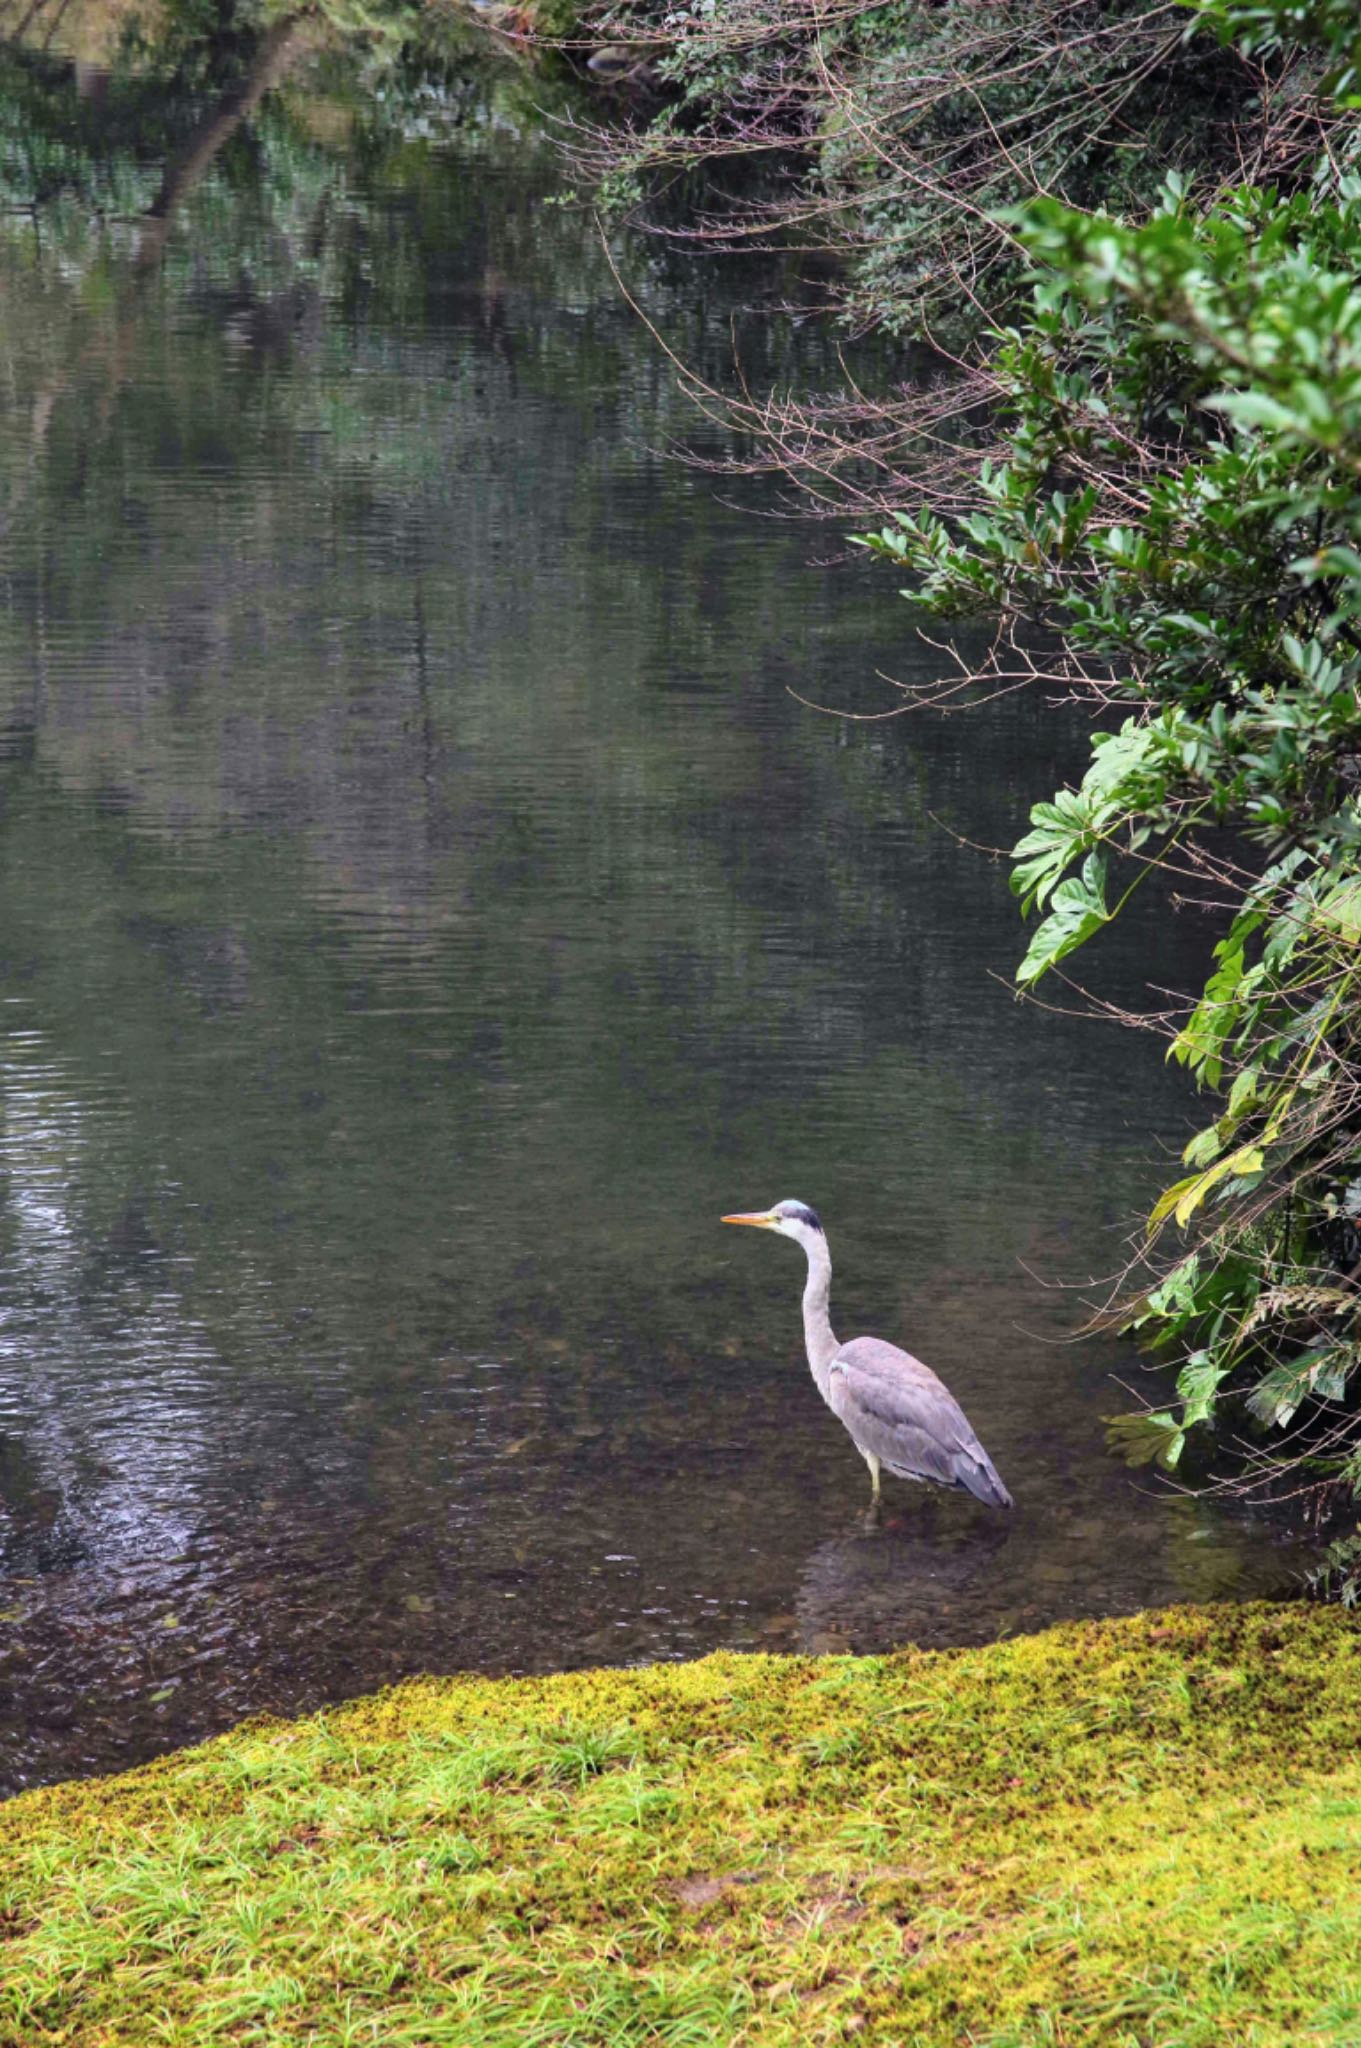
[{"x": 766, "y": 1220}]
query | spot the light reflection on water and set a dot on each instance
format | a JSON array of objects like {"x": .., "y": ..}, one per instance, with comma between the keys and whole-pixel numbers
[{"x": 426, "y": 912}]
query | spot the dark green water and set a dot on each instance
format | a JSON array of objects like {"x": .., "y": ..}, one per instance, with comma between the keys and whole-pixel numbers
[{"x": 426, "y": 910}]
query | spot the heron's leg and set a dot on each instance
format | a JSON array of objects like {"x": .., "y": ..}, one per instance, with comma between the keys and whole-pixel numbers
[{"x": 876, "y": 1502}]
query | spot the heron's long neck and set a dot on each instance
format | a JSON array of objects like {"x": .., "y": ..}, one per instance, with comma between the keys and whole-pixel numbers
[{"x": 817, "y": 1324}]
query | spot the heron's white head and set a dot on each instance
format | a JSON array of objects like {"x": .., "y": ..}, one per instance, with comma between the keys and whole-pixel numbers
[{"x": 791, "y": 1219}]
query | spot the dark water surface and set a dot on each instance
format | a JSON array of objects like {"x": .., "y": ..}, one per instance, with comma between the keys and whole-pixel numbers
[{"x": 425, "y": 911}]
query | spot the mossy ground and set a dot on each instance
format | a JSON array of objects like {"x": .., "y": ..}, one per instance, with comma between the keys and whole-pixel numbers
[{"x": 1138, "y": 1831}]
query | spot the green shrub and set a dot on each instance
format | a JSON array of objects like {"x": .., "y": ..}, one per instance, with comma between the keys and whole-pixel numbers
[{"x": 1181, "y": 504}]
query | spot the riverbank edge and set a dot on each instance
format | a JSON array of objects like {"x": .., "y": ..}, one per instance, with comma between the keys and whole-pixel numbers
[{"x": 1116, "y": 1831}]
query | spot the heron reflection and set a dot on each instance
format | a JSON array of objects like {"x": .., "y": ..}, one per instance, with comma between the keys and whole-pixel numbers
[{"x": 922, "y": 1578}]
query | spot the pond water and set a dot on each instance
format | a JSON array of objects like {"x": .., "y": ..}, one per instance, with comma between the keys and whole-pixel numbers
[{"x": 427, "y": 910}]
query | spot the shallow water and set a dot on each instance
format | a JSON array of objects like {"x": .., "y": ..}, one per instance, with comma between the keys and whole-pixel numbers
[{"x": 427, "y": 909}]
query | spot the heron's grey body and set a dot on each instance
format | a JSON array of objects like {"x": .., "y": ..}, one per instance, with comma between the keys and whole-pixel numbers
[{"x": 900, "y": 1417}]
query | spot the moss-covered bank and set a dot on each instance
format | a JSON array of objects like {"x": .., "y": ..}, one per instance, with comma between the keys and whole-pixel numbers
[{"x": 1136, "y": 1831}]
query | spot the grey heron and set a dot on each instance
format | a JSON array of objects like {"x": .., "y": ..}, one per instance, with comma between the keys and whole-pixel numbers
[{"x": 900, "y": 1417}]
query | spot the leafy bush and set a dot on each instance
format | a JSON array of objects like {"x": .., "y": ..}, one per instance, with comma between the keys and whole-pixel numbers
[
  {"x": 894, "y": 135},
  {"x": 1180, "y": 503}
]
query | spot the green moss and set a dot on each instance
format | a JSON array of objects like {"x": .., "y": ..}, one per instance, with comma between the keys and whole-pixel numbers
[{"x": 1129, "y": 1832}]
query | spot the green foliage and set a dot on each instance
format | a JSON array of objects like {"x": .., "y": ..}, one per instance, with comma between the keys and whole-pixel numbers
[
  {"x": 897, "y": 134},
  {"x": 1264, "y": 25},
  {"x": 1181, "y": 503}
]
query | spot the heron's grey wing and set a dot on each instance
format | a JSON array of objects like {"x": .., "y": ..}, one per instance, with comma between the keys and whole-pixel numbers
[{"x": 896, "y": 1408}]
